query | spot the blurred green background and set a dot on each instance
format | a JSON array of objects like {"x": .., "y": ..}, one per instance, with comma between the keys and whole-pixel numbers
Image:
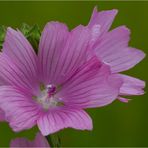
[{"x": 118, "y": 124}]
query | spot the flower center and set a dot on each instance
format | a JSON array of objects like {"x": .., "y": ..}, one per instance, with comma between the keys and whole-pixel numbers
[
  {"x": 47, "y": 97},
  {"x": 51, "y": 89}
]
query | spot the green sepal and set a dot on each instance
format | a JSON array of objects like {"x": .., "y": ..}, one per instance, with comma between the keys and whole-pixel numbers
[
  {"x": 25, "y": 28},
  {"x": 32, "y": 34}
]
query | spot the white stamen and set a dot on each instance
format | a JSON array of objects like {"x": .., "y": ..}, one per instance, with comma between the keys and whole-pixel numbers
[{"x": 46, "y": 100}]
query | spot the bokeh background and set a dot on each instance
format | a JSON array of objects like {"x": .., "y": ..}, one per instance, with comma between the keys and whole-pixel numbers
[{"x": 118, "y": 124}]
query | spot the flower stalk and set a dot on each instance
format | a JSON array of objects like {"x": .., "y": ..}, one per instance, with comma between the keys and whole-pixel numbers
[{"x": 54, "y": 140}]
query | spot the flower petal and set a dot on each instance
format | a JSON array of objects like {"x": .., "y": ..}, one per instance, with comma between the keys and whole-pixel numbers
[
  {"x": 3, "y": 82},
  {"x": 124, "y": 100},
  {"x": 2, "y": 115},
  {"x": 91, "y": 86},
  {"x": 131, "y": 86},
  {"x": 21, "y": 53},
  {"x": 126, "y": 59},
  {"x": 113, "y": 49},
  {"x": 40, "y": 141},
  {"x": 20, "y": 110},
  {"x": 13, "y": 75},
  {"x": 20, "y": 142},
  {"x": 64, "y": 117},
  {"x": 61, "y": 52},
  {"x": 103, "y": 18}
]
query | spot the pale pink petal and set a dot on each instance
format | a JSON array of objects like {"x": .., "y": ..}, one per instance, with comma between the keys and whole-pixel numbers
[
  {"x": 20, "y": 110},
  {"x": 102, "y": 18},
  {"x": 91, "y": 86},
  {"x": 113, "y": 49},
  {"x": 61, "y": 52},
  {"x": 124, "y": 100},
  {"x": 64, "y": 117},
  {"x": 13, "y": 75},
  {"x": 113, "y": 41},
  {"x": 20, "y": 142},
  {"x": 95, "y": 37},
  {"x": 128, "y": 58},
  {"x": 39, "y": 141},
  {"x": 2, "y": 115},
  {"x": 131, "y": 86},
  {"x": 21, "y": 53}
]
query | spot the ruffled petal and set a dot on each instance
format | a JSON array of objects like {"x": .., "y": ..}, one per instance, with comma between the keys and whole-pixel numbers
[
  {"x": 91, "y": 86},
  {"x": 61, "y": 52},
  {"x": 20, "y": 110},
  {"x": 64, "y": 117},
  {"x": 131, "y": 86},
  {"x": 113, "y": 49},
  {"x": 21, "y": 54},
  {"x": 104, "y": 19}
]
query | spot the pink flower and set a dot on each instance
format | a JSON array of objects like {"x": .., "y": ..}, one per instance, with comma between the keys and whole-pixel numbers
[
  {"x": 111, "y": 47},
  {"x": 70, "y": 73},
  {"x": 53, "y": 88},
  {"x": 40, "y": 141}
]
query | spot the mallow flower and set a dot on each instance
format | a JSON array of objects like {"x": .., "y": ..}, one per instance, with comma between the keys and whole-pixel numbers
[
  {"x": 111, "y": 47},
  {"x": 53, "y": 88},
  {"x": 39, "y": 141},
  {"x": 72, "y": 71}
]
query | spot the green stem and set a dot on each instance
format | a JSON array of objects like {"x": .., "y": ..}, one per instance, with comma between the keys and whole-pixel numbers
[{"x": 54, "y": 140}]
